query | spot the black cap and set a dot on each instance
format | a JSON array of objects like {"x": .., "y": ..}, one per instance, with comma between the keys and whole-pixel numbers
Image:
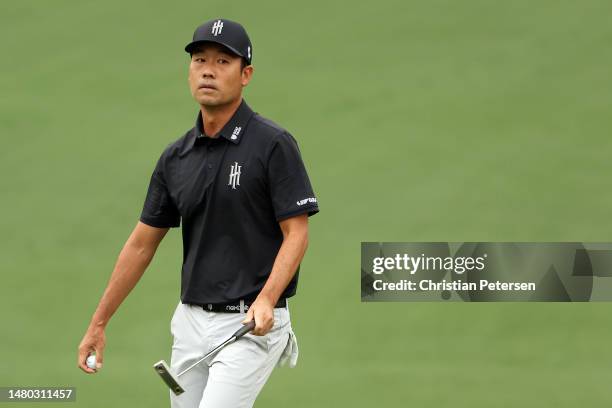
[{"x": 225, "y": 32}]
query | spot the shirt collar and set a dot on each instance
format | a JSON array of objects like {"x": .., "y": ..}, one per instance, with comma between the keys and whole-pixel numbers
[{"x": 232, "y": 131}]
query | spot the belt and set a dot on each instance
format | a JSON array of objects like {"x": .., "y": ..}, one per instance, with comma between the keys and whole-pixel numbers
[{"x": 241, "y": 306}]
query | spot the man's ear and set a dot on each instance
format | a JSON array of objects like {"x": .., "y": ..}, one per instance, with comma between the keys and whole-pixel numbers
[{"x": 247, "y": 74}]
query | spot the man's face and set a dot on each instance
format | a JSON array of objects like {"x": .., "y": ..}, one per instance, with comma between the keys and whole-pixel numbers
[{"x": 216, "y": 76}]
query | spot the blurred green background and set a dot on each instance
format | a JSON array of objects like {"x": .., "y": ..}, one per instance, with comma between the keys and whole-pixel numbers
[{"x": 419, "y": 121}]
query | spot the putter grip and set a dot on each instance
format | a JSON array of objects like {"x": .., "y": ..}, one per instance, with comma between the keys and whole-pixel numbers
[{"x": 245, "y": 329}]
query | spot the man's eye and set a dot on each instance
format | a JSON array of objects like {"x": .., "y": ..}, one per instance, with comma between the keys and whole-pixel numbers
[
  {"x": 223, "y": 61},
  {"x": 199, "y": 59}
]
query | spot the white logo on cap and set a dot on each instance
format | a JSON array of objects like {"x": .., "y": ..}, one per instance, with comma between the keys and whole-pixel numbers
[
  {"x": 217, "y": 27},
  {"x": 249, "y": 51}
]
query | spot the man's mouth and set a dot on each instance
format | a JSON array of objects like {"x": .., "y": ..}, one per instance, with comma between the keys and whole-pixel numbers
[{"x": 207, "y": 86}]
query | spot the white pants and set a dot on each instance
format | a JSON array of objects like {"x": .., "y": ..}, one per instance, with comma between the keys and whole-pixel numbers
[{"x": 234, "y": 376}]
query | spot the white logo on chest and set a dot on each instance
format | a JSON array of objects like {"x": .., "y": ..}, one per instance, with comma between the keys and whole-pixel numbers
[{"x": 234, "y": 176}]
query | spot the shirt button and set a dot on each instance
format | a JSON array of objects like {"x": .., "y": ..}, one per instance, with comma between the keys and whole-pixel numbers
[
  {"x": 210, "y": 166},
  {"x": 210, "y": 148}
]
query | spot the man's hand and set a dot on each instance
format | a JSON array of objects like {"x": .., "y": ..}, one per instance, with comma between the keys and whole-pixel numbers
[
  {"x": 262, "y": 310},
  {"x": 93, "y": 341}
]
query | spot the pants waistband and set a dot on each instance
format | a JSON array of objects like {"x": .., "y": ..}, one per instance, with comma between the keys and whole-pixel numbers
[{"x": 241, "y": 306}]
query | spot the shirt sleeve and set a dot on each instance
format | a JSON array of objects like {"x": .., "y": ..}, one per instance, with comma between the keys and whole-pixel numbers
[
  {"x": 290, "y": 189},
  {"x": 159, "y": 210}
]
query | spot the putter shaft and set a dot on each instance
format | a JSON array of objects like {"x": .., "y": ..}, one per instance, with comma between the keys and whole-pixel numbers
[{"x": 210, "y": 353}]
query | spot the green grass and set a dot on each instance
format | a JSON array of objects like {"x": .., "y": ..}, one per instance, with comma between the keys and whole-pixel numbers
[{"x": 439, "y": 120}]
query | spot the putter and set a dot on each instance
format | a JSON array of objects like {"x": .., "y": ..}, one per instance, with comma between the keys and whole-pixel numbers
[{"x": 171, "y": 380}]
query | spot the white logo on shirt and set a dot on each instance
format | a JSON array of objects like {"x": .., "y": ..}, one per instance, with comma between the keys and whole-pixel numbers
[
  {"x": 217, "y": 27},
  {"x": 307, "y": 200},
  {"x": 234, "y": 177},
  {"x": 236, "y": 132}
]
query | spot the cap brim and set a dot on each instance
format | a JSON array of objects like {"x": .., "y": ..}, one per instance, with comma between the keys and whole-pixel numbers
[{"x": 189, "y": 47}]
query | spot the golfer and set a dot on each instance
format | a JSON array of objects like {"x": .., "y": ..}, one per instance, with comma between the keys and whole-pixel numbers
[{"x": 237, "y": 183}]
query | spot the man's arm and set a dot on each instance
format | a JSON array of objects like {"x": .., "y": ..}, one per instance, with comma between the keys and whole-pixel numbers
[
  {"x": 290, "y": 254},
  {"x": 131, "y": 264}
]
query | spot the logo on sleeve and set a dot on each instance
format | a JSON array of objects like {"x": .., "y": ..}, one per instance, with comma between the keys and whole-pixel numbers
[
  {"x": 307, "y": 200},
  {"x": 234, "y": 177}
]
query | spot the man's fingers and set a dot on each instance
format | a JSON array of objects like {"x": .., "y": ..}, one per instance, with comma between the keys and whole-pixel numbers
[
  {"x": 249, "y": 316},
  {"x": 263, "y": 316},
  {"x": 82, "y": 364},
  {"x": 263, "y": 323},
  {"x": 99, "y": 357},
  {"x": 93, "y": 342}
]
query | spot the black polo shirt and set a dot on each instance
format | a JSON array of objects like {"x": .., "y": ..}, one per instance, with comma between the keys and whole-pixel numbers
[{"x": 230, "y": 192}]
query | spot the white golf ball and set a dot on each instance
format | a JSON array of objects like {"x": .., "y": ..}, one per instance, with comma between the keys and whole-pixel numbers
[{"x": 91, "y": 362}]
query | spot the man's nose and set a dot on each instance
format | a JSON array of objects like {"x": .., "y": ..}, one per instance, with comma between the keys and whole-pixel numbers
[{"x": 207, "y": 72}]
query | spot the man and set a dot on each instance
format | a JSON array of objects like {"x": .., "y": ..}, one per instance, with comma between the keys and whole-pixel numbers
[{"x": 238, "y": 183}]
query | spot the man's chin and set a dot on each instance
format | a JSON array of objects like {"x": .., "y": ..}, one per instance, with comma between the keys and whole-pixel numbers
[
  {"x": 206, "y": 101},
  {"x": 211, "y": 102},
  {"x": 214, "y": 102}
]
